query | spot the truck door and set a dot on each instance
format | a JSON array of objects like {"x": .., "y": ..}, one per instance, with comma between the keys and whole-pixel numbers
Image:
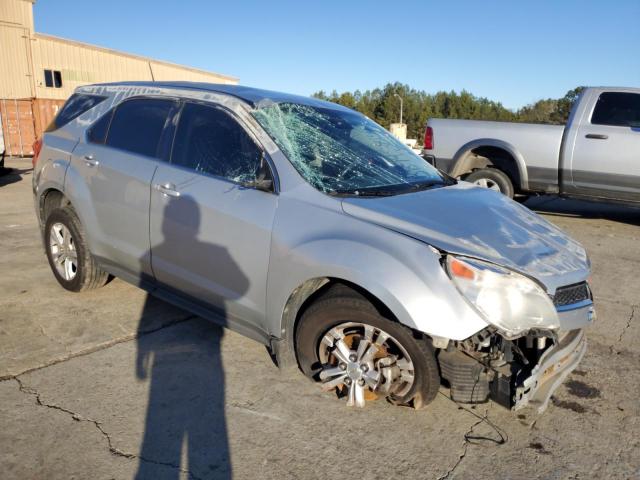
[{"x": 606, "y": 157}]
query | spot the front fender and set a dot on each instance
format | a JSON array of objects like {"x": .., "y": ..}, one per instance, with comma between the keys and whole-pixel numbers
[{"x": 401, "y": 272}]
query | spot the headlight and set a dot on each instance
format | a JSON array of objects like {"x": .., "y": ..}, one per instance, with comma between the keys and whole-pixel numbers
[{"x": 506, "y": 299}]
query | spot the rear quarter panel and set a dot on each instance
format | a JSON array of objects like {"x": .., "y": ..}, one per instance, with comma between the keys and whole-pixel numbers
[{"x": 50, "y": 170}]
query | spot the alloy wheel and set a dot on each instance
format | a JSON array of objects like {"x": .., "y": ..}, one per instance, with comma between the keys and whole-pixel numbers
[
  {"x": 63, "y": 251},
  {"x": 364, "y": 362},
  {"x": 487, "y": 183}
]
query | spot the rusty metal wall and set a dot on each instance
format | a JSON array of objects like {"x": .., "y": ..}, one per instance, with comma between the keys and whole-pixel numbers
[
  {"x": 44, "y": 111},
  {"x": 18, "y": 126}
]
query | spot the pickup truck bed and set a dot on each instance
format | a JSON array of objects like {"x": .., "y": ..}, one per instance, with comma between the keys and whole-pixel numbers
[{"x": 595, "y": 156}]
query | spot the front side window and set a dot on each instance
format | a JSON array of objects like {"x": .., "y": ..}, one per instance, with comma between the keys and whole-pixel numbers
[
  {"x": 76, "y": 105},
  {"x": 210, "y": 141},
  {"x": 343, "y": 152},
  {"x": 137, "y": 125},
  {"x": 620, "y": 109}
]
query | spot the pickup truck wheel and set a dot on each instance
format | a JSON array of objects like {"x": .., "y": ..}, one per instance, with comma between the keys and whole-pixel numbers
[
  {"x": 69, "y": 257},
  {"x": 345, "y": 344},
  {"x": 493, "y": 179}
]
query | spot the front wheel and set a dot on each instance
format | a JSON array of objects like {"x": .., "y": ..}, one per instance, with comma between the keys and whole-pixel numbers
[
  {"x": 493, "y": 179},
  {"x": 348, "y": 347}
]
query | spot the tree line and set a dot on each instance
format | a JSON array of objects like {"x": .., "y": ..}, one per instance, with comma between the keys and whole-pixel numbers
[{"x": 383, "y": 106}]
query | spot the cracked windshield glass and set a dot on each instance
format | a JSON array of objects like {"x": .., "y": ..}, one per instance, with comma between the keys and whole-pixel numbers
[{"x": 343, "y": 152}]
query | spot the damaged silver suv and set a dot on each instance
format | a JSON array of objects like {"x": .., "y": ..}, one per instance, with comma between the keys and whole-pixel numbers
[{"x": 309, "y": 228}]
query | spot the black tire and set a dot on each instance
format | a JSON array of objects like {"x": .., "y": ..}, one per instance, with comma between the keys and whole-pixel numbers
[
  {"x": 88, "y": 275},
  {"x": 348, "y": 306},
  {"x": 494, "y": 176}
]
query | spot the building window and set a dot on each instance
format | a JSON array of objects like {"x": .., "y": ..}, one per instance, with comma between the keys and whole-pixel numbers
[{"x": 53, "y": 78}]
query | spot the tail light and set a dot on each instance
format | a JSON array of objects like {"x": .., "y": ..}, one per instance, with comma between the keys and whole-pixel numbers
[
  {"x": 37, "y": 146},
  {"x": 428, "y": 139}
]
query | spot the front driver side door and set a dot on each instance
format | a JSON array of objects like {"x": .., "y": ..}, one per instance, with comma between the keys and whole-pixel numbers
[{"x": 210, "y": 235}]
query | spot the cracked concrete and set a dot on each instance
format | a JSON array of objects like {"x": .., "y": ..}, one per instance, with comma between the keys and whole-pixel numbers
[{"x": 110, "y": 384}]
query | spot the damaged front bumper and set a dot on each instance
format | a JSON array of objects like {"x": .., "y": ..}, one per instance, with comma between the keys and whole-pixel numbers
[
  {"x": 553, "y": 367},
  {"x": 516, "y": 373}
]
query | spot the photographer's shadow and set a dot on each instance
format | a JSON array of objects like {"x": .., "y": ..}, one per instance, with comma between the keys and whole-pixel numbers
[{"x": 185, "y": 426}]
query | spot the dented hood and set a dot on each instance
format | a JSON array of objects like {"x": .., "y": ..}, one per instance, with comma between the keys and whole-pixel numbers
[{"x": 477, "y": 222}]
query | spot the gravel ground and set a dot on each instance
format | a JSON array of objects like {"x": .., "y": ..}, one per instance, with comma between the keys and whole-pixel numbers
[{"x": 112, "y": 384}]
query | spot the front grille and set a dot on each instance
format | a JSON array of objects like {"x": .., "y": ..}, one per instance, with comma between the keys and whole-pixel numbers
[{"x": 571, "y": 294}]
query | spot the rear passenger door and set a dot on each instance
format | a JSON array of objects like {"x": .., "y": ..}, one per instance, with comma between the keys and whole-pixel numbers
[
  {"x": 606, "y": 157},
  {"x": 211, "y": 230},
  {"x": 117, "y": 162}
]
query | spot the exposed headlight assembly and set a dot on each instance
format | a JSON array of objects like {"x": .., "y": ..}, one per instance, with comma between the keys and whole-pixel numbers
[{"x": 508, "y": 300}]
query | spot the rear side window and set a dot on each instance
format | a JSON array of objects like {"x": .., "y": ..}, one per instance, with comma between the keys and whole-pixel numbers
[
  {"x": 137, "y": 125},
  {"x": 77, "y": 104},
  {"x": 617, "y": 108},
  {"x": 209, "y": 140}
]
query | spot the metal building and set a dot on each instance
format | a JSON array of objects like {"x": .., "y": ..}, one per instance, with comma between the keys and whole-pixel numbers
[{"x": 38, "y": 72}]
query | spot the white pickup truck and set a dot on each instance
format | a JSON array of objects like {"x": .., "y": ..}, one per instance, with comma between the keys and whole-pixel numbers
[{"x": 595, "y": 156}]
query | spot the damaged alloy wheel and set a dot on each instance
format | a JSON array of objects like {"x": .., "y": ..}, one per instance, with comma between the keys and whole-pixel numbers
[{"x": 348, "y": 347}]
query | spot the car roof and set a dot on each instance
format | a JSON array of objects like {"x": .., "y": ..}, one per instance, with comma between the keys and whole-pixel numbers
[{"x": 255, "y": 97}]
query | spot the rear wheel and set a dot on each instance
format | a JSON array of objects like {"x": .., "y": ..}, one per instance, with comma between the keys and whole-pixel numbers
[
  {"x": 493, "y": 179},
  {"x": 68, "y": 254},
  {"x": 345, "y": 344}
]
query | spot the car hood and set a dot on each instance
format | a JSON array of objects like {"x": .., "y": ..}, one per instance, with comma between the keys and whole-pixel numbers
[{"x": 477, "y": 222}]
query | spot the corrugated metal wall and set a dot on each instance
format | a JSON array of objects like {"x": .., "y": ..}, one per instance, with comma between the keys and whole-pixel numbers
[
  {"x": 29, "y": 105},
  {"x": 83, "y": 64},
  {"x": 15, "y": 67},
  {"x": 17, "y": 12}
]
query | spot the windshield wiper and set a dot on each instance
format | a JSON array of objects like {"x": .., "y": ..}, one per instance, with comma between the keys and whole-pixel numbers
[
  {"x": 427, "y": 185},
  {"x": 365, "y": 193},
  {"x": 396, "y": 190}
]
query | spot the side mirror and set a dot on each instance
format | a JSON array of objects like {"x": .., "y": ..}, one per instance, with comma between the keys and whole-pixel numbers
[
  {"x": 263, "y": 180},
  {"x": 265, "y": 184}
]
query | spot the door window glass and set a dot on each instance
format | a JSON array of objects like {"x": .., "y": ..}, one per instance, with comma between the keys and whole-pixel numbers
[
  {"x": 97, "y": 133},
  {"x": 137, "y": 125},
  {"x": 208, "y": 140},
  {"x": 617, "y": 108}
]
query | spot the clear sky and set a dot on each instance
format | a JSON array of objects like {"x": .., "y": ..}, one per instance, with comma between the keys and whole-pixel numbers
[{"x": 515, "y": 52}]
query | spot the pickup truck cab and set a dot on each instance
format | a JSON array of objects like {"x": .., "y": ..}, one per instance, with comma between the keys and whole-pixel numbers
[{"x": 595, "y": 156}]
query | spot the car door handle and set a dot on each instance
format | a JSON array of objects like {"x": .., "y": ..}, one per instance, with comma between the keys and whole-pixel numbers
[
  {"x": 168, "y": 189},
  {"x": 596, "y": 136},
  {"x": 90, "y": 161}
]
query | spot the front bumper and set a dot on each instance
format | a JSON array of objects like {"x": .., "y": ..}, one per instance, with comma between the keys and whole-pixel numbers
[{"x": 551, "y": 370}]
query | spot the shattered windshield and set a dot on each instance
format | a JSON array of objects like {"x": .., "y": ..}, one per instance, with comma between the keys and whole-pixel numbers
[{"x": 343, "y": 152}]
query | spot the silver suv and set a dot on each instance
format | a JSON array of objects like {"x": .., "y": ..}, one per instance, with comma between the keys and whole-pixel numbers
[{"x": 309, "y": 228}]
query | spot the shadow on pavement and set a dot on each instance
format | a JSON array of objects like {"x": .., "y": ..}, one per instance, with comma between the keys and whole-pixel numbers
[
  {"x": 565, "y": 207},
  {"x": 12, "y": 175},
  {"x": 185, "y": 425}
]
